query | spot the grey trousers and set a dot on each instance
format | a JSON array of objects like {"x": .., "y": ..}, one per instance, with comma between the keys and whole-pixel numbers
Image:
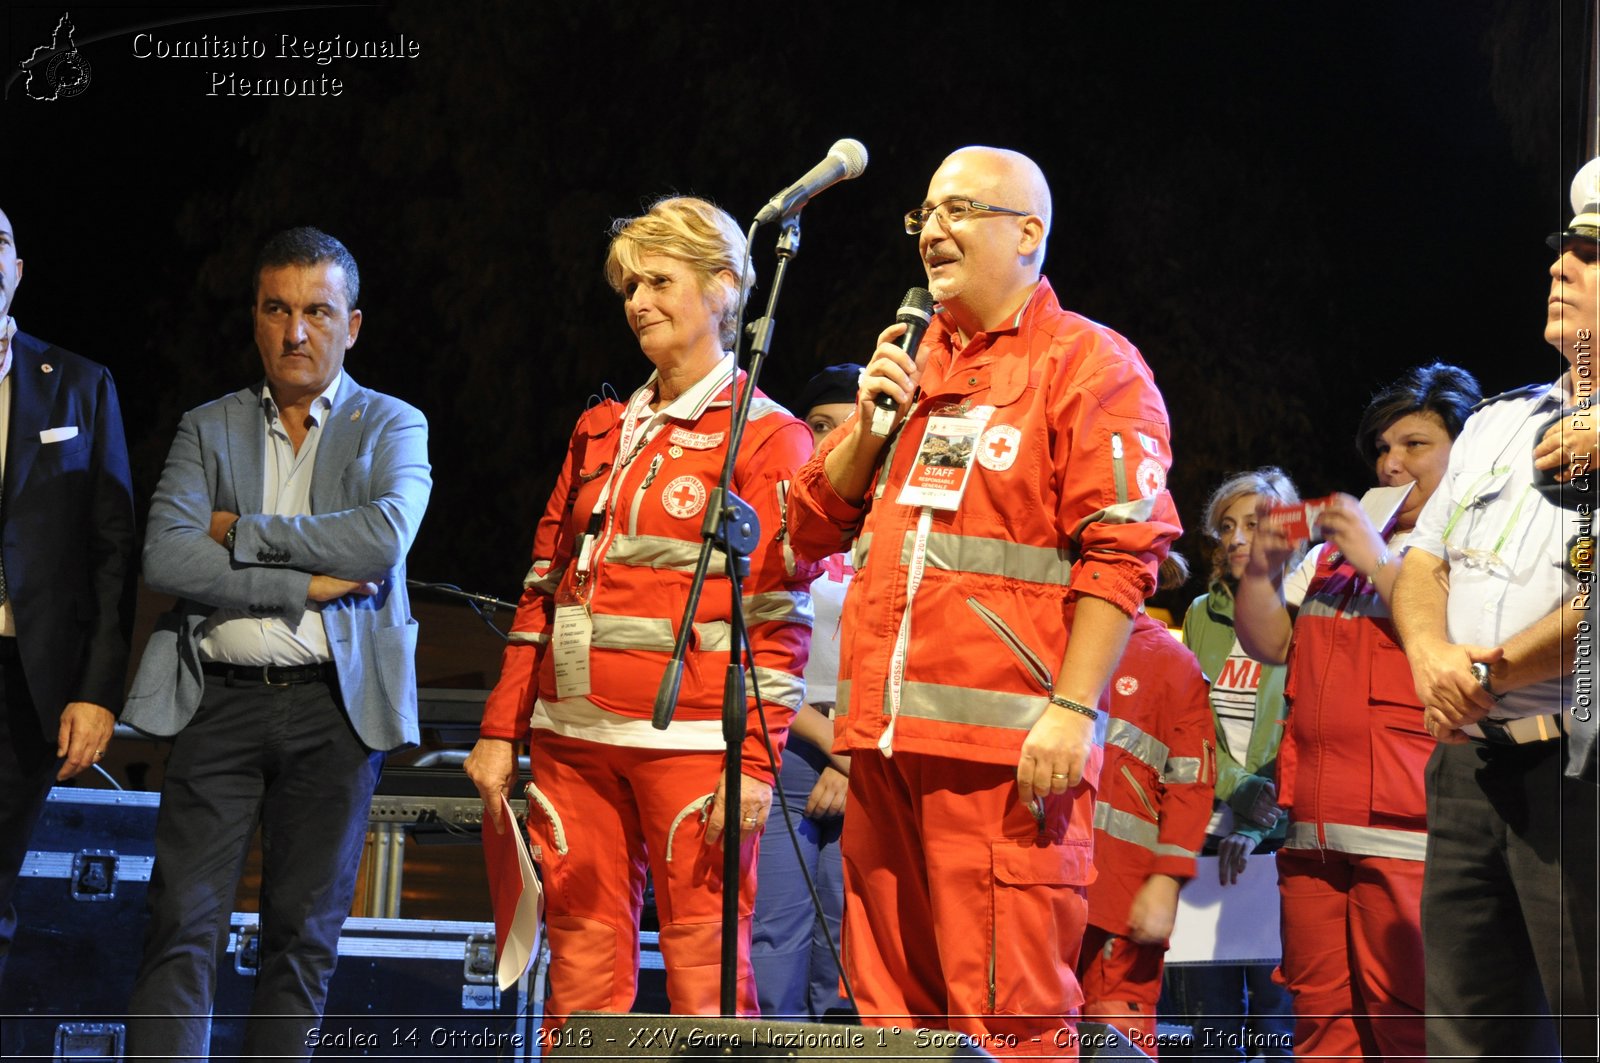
[
  {"x": 1508, "y": 904},
  {"x": 288, "y": 758}
]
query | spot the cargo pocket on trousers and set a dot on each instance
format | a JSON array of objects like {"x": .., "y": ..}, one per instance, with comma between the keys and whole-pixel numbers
[
  {"x": 547, "y": 839},
  {"x": 1037, "y": 921}
]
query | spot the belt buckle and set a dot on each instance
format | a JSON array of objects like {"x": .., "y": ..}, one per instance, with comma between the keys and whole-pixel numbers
[
  {"x": 1495, "y": 731},
  {"x": 266, "y": 677}
]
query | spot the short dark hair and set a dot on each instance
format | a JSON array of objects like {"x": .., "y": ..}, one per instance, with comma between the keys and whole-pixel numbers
[
  {"x": 1445, "y": 391},
  {"x": 306, "y": 246}
]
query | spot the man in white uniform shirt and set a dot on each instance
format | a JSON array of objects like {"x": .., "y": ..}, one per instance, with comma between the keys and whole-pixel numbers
[
  {"x": 1488, "y": 604},
  {"x": 287, "y": 669}
]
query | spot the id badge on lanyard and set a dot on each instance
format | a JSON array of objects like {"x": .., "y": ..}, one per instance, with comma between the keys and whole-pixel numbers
[
  {"x": 943, "y": 465},
  {"x": 569, "y": 648},
  {"x": 573, "y": 633},
  {"x": 938, "y": 479}
]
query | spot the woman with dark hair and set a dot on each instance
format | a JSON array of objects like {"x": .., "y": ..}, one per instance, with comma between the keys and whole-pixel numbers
[{"x": 1351, "y": 764}]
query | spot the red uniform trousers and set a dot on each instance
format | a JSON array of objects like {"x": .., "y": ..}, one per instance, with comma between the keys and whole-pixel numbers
[
  {"x": 614, "y": 808},
  {"x": 961, "y": 912},
  {"x": 1352, "y": 953},
  {"x": 1122, "y": 984}
]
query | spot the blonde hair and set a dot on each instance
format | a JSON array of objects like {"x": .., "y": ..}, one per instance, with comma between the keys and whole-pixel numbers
[
  {"x": 1269, "y": 481},
  {"x": 694, "y": 231}
]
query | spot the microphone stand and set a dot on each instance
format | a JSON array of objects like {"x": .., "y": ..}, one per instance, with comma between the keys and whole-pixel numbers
[
  {"x": 730, "y": 524},
  {"x": 482, "y": 604}
]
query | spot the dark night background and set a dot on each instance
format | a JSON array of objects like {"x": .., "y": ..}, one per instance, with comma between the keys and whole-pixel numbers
[{"x": 1283, "y": 205}]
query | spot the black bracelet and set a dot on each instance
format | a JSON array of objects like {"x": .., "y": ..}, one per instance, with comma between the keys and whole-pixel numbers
[{"x": 1074, "y": 706}]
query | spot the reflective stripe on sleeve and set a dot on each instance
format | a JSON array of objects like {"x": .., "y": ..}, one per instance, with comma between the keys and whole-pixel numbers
[
  {"x": 992, "y": 557},
  {"x": 1143, "y": 747},
  {"x": 1182, "y": 770},
  {"x": 544, "y": 579},
  {"x": 777, "y": 687},
  {"x": 788, "y": 607}
]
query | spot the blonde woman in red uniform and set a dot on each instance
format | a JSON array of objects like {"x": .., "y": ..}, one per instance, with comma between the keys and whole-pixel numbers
[{"x": 613, "y": 559}]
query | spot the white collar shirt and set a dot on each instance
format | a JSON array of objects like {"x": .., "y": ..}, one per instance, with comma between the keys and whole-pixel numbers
[
  {"x": 1506, "y": 545},
  {"x": 234, "y": 636}
]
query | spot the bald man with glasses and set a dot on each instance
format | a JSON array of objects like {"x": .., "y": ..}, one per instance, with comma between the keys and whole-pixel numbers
[{"x": 1021, "y": 491}]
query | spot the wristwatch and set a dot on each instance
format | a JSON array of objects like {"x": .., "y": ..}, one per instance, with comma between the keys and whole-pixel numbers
[
  {"x": 230, "y": 536},
  {"x": 1480, "y": 672}
]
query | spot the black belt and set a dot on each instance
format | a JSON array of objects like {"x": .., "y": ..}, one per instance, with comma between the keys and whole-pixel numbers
[
  {"x": 273, "y": 675},
  {"x": 1522, "y": 730}
]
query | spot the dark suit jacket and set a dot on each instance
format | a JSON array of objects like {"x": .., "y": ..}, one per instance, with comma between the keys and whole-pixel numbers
[
  {"x": 369, "y": 490},
  {"x": 68, "y": 529}
]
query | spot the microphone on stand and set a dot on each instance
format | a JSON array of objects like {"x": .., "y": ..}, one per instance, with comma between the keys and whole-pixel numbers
[
  {"x": 846, "y": 159},
  {"x": 916, "y": 311}
]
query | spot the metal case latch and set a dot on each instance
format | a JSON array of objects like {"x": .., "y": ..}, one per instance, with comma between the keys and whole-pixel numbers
[
  {"x": 247, "y": 950},
  {"x": 94, "y": 875}
]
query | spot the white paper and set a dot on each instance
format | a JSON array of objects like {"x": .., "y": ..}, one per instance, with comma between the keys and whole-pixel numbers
[
  {"x": 1229, "y": 924},
  {"x": 1381, "y": 503},
  {"x": 58, "y": 435},
  {"x": 523, "y": 941}
]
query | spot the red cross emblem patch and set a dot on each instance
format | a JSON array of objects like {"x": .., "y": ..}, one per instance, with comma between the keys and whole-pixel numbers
[
  {"x": 684, "y": 497},
  {"x": 1150, "y": 477},
  {"x": 998, "y": 447}
]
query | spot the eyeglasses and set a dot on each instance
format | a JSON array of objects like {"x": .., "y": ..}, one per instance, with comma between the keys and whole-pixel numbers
[{"x": 953, "y": 211}]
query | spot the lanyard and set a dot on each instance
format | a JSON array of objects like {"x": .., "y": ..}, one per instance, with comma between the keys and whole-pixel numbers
[
  {"x": 639, "y": 426},
  {"x": 902, "y": 640}
]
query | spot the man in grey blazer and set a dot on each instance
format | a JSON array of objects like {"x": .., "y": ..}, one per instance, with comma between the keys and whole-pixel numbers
[{"x": 286, "y": 669}]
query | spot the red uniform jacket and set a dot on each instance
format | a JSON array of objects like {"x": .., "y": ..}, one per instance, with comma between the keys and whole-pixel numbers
[
  {"x": 1159, "y": 774},
  {"x": 1067, "y": 496},
  {"x": 1351, "y": 764},
  {"x": 643, "y": 558}
]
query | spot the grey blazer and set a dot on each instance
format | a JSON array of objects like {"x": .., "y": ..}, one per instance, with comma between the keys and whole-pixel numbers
[{"x": 368, "y": 494}]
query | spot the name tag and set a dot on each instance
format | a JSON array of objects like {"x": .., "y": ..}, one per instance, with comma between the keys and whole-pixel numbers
[
  {"x": 569, "y": 645},
  {"x": 695, "y": 440},
  {"x": 943, "y": 465},
  {"x": 58, "y": 435}
]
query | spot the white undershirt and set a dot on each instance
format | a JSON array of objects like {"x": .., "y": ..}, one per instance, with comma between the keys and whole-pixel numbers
[{"x": 235, "y": 636}]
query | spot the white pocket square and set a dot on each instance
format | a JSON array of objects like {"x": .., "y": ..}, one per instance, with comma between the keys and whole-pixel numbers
[{"x": 59, "y": 435}]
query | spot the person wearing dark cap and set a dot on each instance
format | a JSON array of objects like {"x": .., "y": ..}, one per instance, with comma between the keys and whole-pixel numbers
[
  {"x": 1492, "y": 606},
  {"x": 797, "y": 973}
]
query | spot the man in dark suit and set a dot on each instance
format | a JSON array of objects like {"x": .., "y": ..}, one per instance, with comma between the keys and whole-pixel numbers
[
  {"x": 66, "y": 517},
  {"x": 287, "y": 669}
]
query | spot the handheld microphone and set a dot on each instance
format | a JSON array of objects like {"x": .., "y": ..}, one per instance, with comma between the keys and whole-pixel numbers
[
  {"x": 846, "y": 159},
  {"x": 916, "y": 311}
]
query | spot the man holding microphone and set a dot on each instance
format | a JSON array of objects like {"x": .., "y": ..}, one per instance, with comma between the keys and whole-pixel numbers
[{"x": 1020, "y": 493}]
